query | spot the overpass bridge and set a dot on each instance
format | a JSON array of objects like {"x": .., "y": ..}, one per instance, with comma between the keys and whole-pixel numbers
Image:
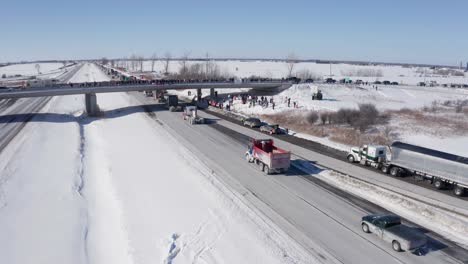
[{"x": 91, "y": 91}]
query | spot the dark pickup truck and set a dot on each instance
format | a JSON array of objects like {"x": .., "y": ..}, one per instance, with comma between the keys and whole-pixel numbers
[{"x": 390, "y": 229}]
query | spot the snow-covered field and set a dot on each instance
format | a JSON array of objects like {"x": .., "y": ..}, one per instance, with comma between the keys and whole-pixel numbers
[
  {"x": 341, "y": 96},
  {"x": 75, "y": 189},
  {"x": 270, "y": 69},
  {"x": 30, "y": 69}
]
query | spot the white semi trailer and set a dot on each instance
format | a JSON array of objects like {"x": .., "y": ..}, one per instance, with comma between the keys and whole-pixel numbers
[{"x": 444, "y": 170}]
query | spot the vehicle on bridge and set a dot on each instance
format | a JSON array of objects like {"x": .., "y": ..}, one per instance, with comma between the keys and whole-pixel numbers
[
  {"x": 390, "y": 229},
  {"x": 443, "y": 170},
  {"x": 269, "y": 158},
  {"x": 190, "y": 114}
]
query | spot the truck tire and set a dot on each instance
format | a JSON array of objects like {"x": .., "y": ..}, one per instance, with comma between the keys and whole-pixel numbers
[
  {"x": 458, "y": 190},
  {"x": 439, "y": 184},
  {"x": 351, "y": 159},
  {"x": 384, "y": 169},
  {"x": 396, "y": 246},
  {"x": 365, "y": 228},
  {"x": 247, "y": 158},
  {"x": 395, "y": 171},
  {"x": 266, "y": 170},
  {"x": 172, "y": 109}
]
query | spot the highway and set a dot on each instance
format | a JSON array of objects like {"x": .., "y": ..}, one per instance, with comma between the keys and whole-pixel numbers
[
  {"x": 15, "y": 113},
  {"x": 321, "y": 218}
]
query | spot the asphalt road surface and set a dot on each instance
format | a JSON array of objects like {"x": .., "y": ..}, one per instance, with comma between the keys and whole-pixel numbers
[{"x": 318, "y": 216}]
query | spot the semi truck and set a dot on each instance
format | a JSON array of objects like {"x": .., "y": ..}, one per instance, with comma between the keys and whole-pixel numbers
[
  {"x": 443, "y": 170},
  {"x": 172, "y": 103},
  {"x": 269, "y": 158},
  {"x": 190, "y": 114}
]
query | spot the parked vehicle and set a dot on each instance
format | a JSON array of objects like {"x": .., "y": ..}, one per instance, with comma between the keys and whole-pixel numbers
[
  {"x": 394, "y": 83},
  {"x": 443, "y": 170},
  {"x": 316, "y": 93},
  {"x": 190, "y": 114},
  {"x": 421, "y": 84},
  {"x": 358, "y": 82},
  {"x": 149, "y": 93},
  {"x": 390, "y": 229},
  {"x": 293, "y": 80},
  {"x": 269, "y": 158},
  {"x": 309, "y": 81},
  {"x": 330, "y": 80},
  {"x": 252, "y": 122},
  {"x": 377, "y": 82},
  {"x": 172, "y": 102},
  {"x": 270, "y": 129},
  {"x": 386, "y": 82}
]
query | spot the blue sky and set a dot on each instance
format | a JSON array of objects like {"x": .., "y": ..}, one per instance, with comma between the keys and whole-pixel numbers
[{"x": 428, "y": 31}]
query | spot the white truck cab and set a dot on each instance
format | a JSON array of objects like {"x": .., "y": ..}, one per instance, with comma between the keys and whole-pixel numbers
[{"x": 370, "y": 155}]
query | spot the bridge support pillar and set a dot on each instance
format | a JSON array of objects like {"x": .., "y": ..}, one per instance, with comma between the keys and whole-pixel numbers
[
  {"x": 212, "y": 92},
  {"x": 199, "y": 95},
  {"x": 92, "y": 107}
]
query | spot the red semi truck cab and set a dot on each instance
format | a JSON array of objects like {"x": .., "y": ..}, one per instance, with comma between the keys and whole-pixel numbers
[{"x": 267, "y": 156}]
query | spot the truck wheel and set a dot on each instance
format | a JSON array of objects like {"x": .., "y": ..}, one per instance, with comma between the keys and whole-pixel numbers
[
  {"x": 247, "y": 158},
  {"x": 438, "y": 184},
  {"x": 395, "y": 171},
  {"x": 266, "y": 170},
  {"x": 365, "y": 228},
  {"x": 458, "y": 190},
  {"x": 384, "y": 169},
  {"x": 351, "y": 159},
  {"x": 396, "y": 246}
]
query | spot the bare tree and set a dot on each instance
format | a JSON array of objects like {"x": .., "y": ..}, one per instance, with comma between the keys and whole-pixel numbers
[
  {"x": 207, "y": 64},
  {"x": 153, "y": 61},
  {"x": 312, "y": 117},
  {"x": 133, "y": 62},
  {"x": 38, "y": 68},
  {"x": 291, "y": 62},
  {"x": 183, "y": 65},
  {"x": 140, "y": 59},
  {"x": 167, "y": 61}
]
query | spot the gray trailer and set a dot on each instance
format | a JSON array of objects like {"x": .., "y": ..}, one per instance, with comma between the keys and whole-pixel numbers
[{"x": 444, "y": 170}]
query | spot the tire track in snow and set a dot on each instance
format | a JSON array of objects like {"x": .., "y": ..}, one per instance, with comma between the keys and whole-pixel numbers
[
  {"x": 107, "y": 239},
  {"x": 80, "y": 187}
]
